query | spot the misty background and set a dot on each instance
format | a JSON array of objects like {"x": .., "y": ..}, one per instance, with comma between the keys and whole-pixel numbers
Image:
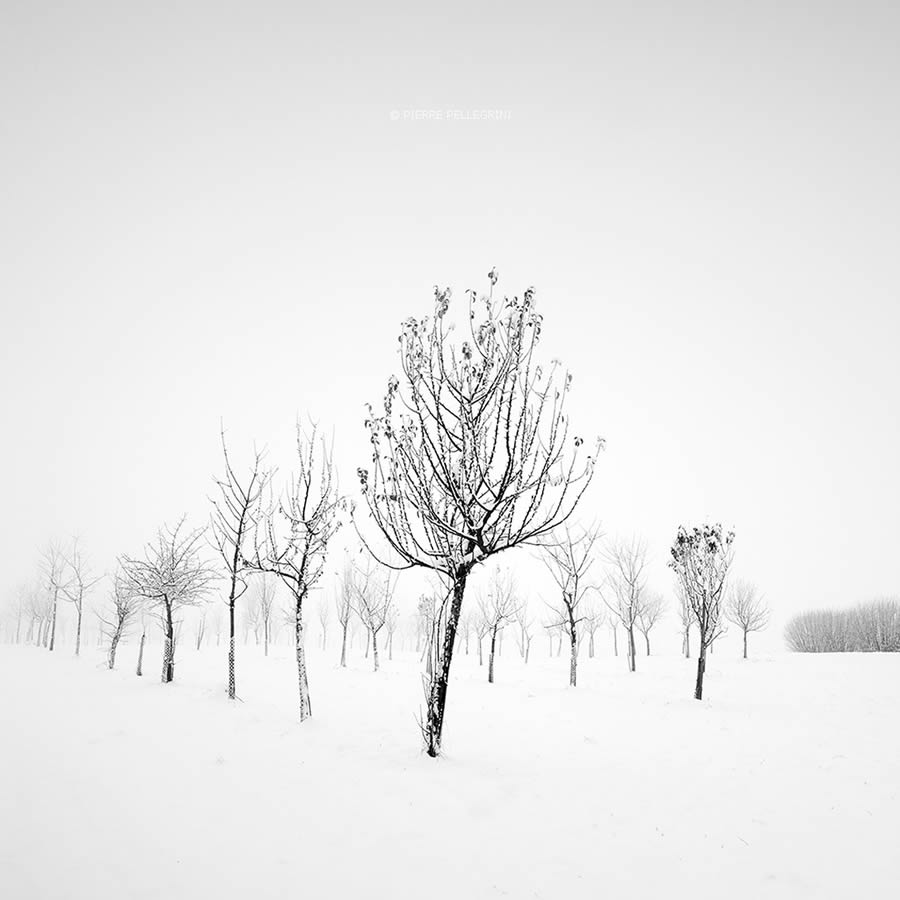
[{"x": 214, "y": 212}]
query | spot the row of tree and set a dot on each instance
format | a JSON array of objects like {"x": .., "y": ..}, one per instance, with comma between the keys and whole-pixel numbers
[
  {"x": 869, "y": 627},
  {"x": 472, "y": 456}
]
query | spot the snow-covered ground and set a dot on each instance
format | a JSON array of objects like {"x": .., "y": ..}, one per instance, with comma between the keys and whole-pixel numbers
[{"x": 783, "y": 783}]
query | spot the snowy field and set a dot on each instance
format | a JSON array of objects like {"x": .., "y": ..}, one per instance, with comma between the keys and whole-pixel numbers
[{"x": 783, "y": 783}]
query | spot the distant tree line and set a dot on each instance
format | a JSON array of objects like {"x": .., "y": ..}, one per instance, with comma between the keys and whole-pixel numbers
[{"x": 869, "y": 628}]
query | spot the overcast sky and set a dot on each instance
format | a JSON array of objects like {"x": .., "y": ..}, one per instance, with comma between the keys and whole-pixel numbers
[{"x": 221, "y": 210}]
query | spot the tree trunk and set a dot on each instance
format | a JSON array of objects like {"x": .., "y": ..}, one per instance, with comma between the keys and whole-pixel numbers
[
  {"x": 647, "y": 639},
  {"x": 701, "y": 669},
  {"x": 113, "y": 644},
  {"x": 266, "y": 638},
  {"x": 375, "y": 649},
  {"x": 78, "y": 609},
  {"x": 591, "y": 646},
  {"x": 686, "y": 642},
  {"x": 615, "y": 632},
  {"x": 391, "y": 646},
  {"x": 305, "y": 704},
  {"x": 436, "y": 698},
  {"x": 632, "y": 664},
  {"x": 232, "y": 677},
  {"x": 573, "y": 662},
  {"x": 480, "y": 651},
  {"x": 368, "y": 641},
  {"x": 745, "y": 643},
  {"x": 53, "y": 620},
  {"x": 168, "y": 668},
  {"x": 527, "y": 650},
  {"x": 344, "y": 646},
  {"x": 140, "y": 662},
  {"x": 491, "y": 656}
]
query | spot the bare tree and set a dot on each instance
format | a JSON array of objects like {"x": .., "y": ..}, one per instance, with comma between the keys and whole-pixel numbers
[
  {"x": 139, "y": 671},
  {"x": 171, "y": 576},
  {"x": 746, "y": 609},
  {"x": 626, "y": 586},
  {"x": 498, "y": 609},
  {"x": 125, "y": 607},
  {"x": 292, "y": 540},
  {"x": 53, "y": 566},
  {"x": 701, "y": 558},
  {"x": 391, "y": 621},
  {"x": 78, "y": 583},
  {"x": 652, "y": 609},
  {"x": 323, "y": 613},
  {"x": 594, "y": 618},
  {"x": 344, "y": 606},
  {"x": 525, "y": 632},
  {"x": 266, "y": 607},
  {"x": 569, "y": 559},
  {"x": 232, "y": 522},
  {"x": 686, "y": 618},
  {"x": 469, "y": 456},
  {"x": 373, "y": 595}
]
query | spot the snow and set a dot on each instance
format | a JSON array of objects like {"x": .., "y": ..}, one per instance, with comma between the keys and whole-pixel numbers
[{"x": 782, "y": 783}]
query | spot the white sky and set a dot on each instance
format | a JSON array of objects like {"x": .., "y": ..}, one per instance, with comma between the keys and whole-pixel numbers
[{"x": 208, "y": 212}]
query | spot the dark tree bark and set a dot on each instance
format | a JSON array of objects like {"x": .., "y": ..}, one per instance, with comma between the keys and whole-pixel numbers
[
  {"x": 436, "y": 698},
  {"x": 491, "y": 656}
]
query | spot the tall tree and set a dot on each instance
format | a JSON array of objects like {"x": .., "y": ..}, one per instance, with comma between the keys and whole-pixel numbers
[
  {"x": 686, "y": 618},
  {"x": 701, "y": 558},
  {"x": 171, "y": 576},
  {"x": 627, "y": 584},
  {"x": 292, "y": 539},
  {"x": 232, "y": 522},
  {"x": 746, "y": 609},
  {"x": 470, "y": 456},
  {"x": 569, "y": 559}
]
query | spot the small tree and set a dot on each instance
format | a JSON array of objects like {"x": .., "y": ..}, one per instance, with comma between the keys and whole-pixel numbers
[
  {"x": 746, "y": 609},
  {"x": 652, "y": 609},
  {"x": 292, "y": 539},
  {"x": 686, "y": 618},
  {"x": 170, "y": 577},
  {"x": 53, "y": 566},
  {"x": 125, "y": 607},
  {"x": 594, "y": 618},
  {"x": 497, "y": 610},
  {"x": 266, "y": 606},
  {"x": 569, "y": 560},
  {"x": 627, "y": 584},
  {"x": 344, "y": 606},
  {"x": 701, "y": 558},
  {"x": 372, "y": 601},
  {"x": 323, "y": 613},
  {"x": 525, "y": 632},
  {"x": 233, "y": 520}
]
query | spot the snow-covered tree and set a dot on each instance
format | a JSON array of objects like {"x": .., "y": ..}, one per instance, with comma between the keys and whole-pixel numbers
[
  {"x": 292, "y": 539},
  {"x": 701, "y": 558},
  {"x": 569, "y": 559},
  {"x": 171, "y": 576},
  {"x": 470, "y": 456},
  {"x": 232, "y": 522},
  {"x": 125, "y": 608}
]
